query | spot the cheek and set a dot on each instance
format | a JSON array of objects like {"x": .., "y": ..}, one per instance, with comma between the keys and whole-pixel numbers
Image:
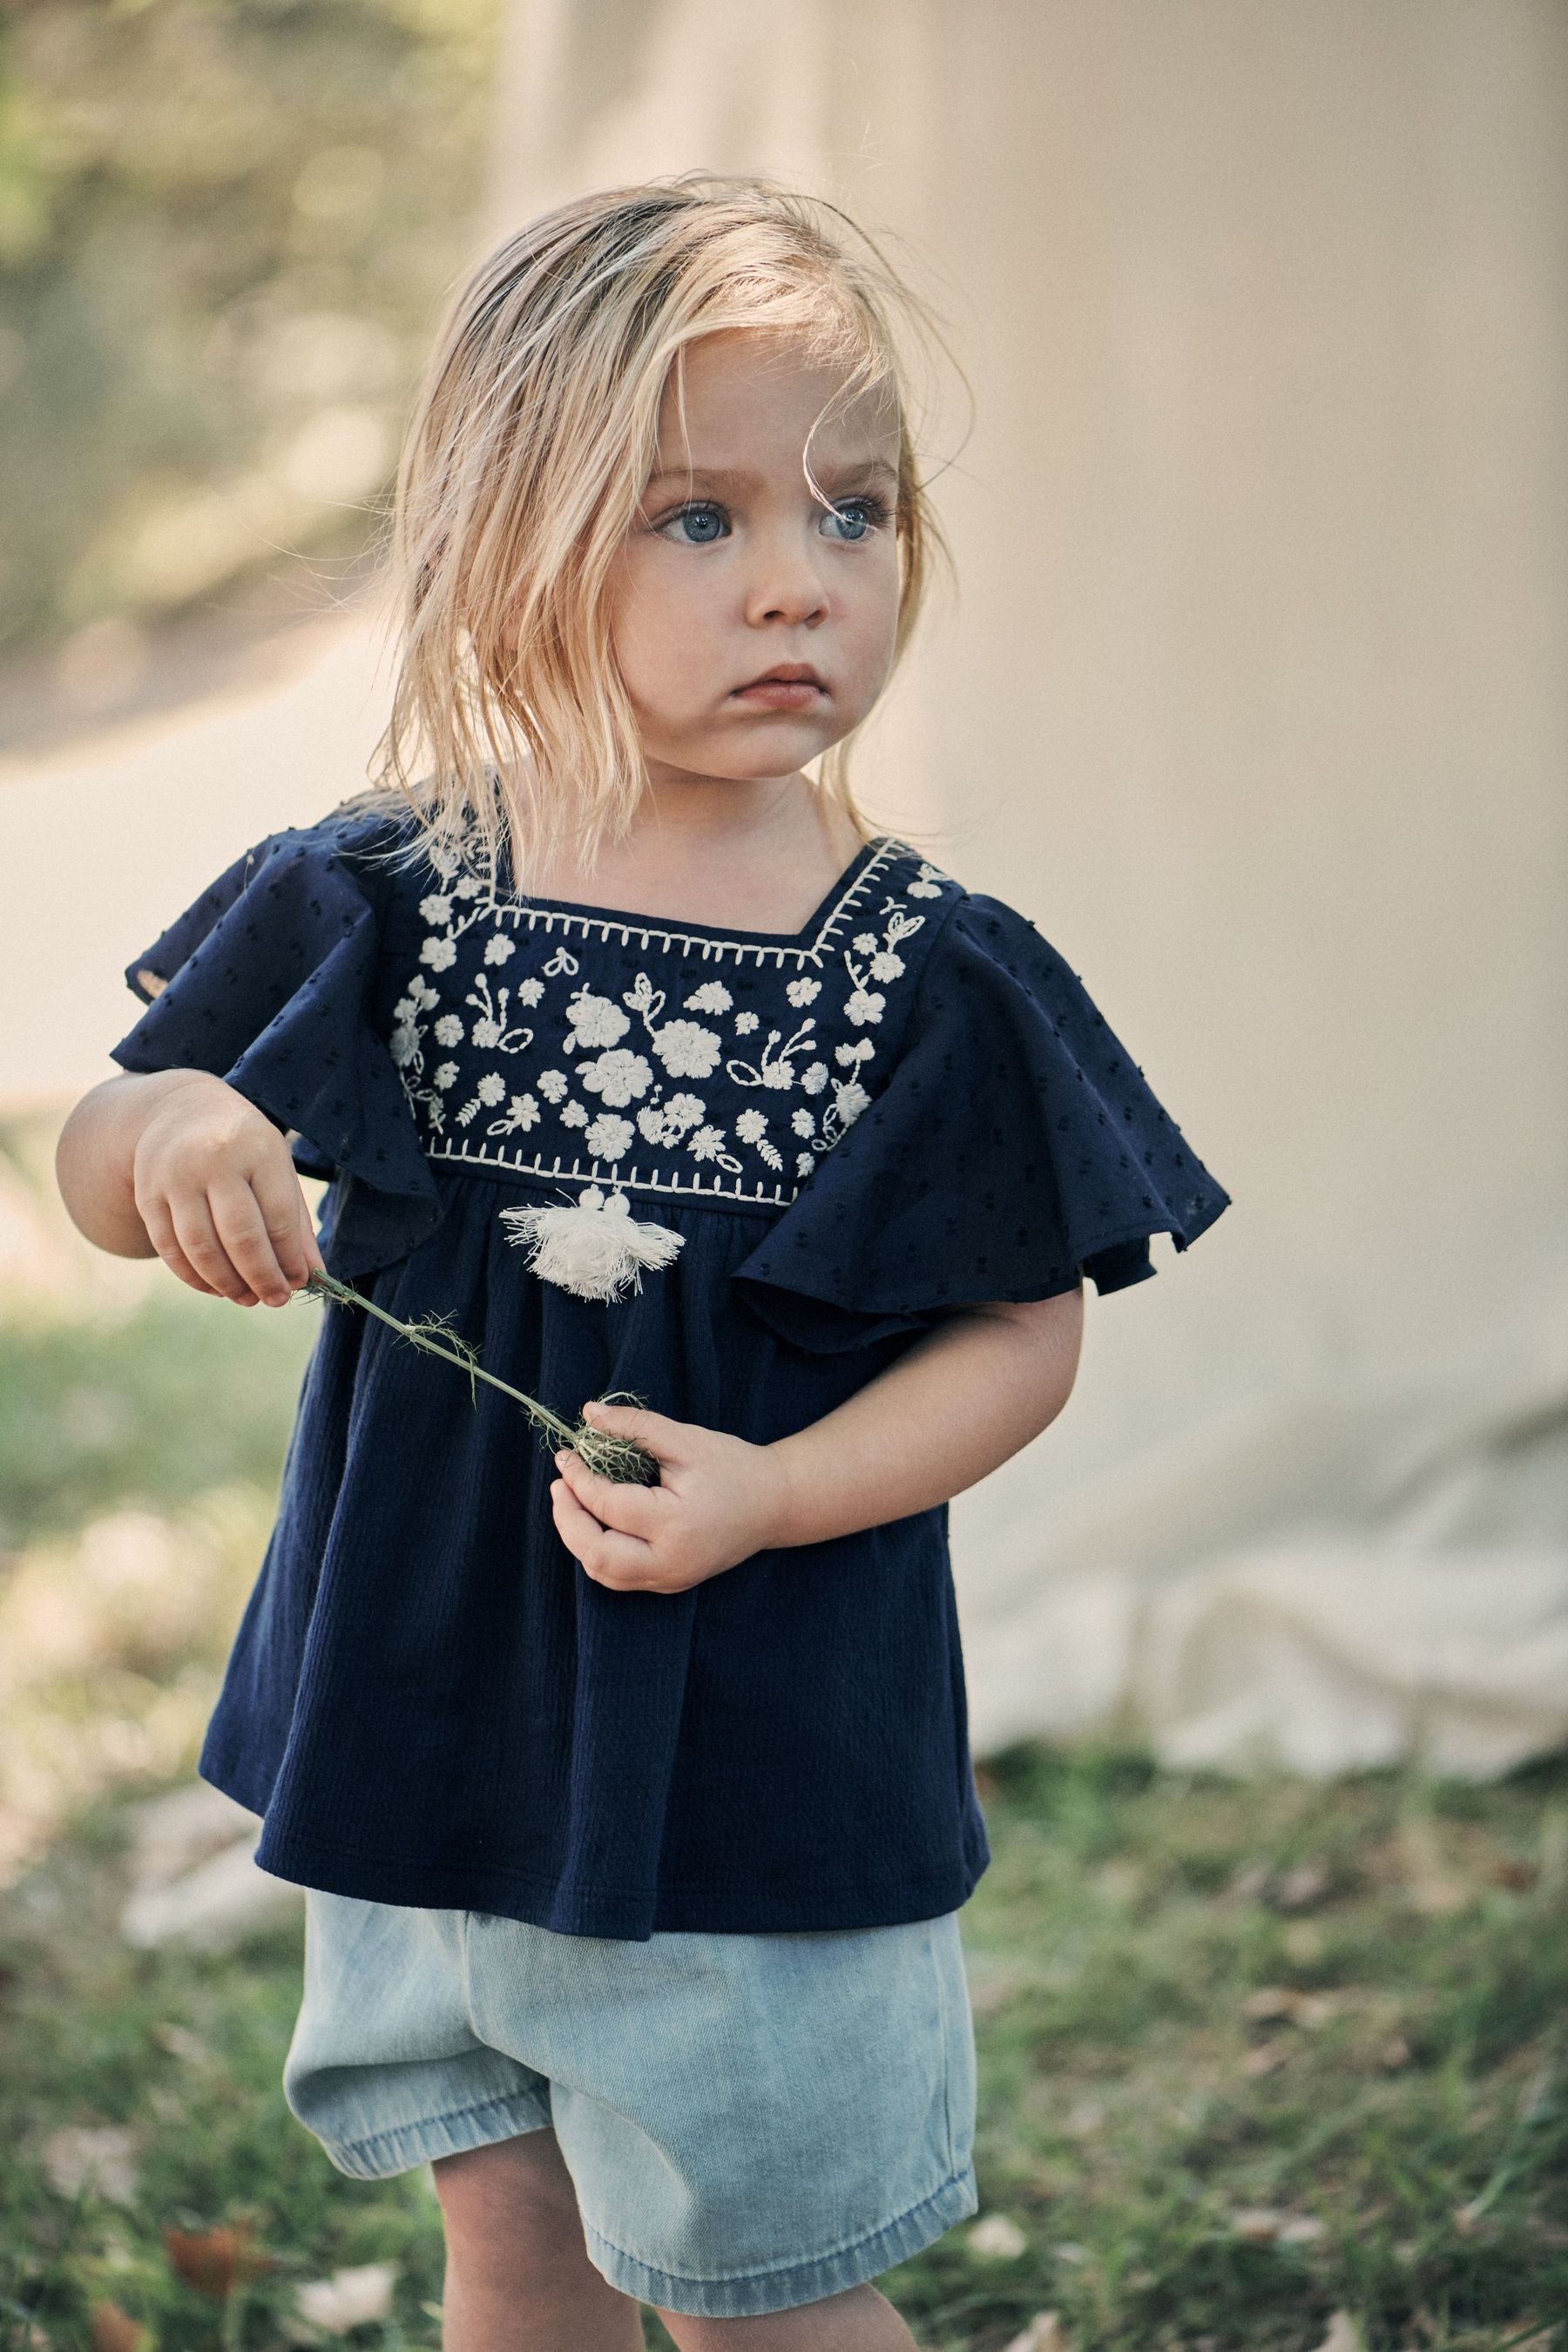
[{"x": 656, "y": 625}]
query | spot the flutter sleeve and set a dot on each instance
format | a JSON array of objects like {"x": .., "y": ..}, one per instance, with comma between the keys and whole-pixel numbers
[
  {"x": 1014, "y": 1149},
  {"x": 268, "y": 981}
]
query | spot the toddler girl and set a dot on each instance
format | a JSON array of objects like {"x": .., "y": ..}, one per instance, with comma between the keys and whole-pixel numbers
[{"x": 635, "y": 1819}]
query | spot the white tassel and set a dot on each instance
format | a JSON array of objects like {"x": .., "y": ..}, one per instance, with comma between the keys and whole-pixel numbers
[{"x": 594, "y": 1246}]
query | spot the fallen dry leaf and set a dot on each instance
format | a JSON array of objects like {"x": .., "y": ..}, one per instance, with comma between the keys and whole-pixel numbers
[
  {"x": 1343, "y": 2335},
  {"x": 97, "y": 2157},
  {"x": 348, "y": 2297},
  {"x": 1042, "y": 2334},
  {"x": 212, "y": 2260},
  {"x": 997, "y": 2236},
  {"x": 1258, "y": 2224},
  {"x": 113, "y": 2330},
  {"x": 1267, "y": 2059}
]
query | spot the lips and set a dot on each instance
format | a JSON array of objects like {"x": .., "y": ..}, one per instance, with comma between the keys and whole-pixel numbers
[{"x": 788, "y": 683}]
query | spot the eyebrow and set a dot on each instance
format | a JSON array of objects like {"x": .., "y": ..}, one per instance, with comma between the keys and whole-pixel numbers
[{"x": 727, "y": 477}]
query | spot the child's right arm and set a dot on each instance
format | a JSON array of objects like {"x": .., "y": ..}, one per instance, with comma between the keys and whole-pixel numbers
[{"x": 178, "y": 1165}]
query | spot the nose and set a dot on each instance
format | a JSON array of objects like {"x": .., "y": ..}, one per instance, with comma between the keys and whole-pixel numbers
[{"x": 786, "y": 584}]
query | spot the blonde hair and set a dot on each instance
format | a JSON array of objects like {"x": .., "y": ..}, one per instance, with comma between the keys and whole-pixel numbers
[{"x": 532, "y": 436}]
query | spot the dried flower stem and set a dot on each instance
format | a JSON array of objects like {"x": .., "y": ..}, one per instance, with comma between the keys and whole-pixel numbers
[{"x": 617, "y": 1459}]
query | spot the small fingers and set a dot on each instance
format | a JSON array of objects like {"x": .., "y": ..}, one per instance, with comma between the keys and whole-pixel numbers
[
  {"x": 160, "y": 1234},
  {"x": 287, "y": 1220},
  {"x": 635, "y": 1510},
  {"x": 198, "y": 1239},
  {"x": 605, "y": 1555},
  {"x": 244, "y": 1234}
]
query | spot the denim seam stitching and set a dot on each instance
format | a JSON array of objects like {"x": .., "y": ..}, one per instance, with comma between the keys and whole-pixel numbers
[
  {"x": 425, "y": 2123},
  {"x": 795, "y": 2261}
]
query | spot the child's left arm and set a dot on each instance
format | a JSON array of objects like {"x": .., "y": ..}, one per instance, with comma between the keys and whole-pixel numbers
[{"x": 959, "y": 1400}]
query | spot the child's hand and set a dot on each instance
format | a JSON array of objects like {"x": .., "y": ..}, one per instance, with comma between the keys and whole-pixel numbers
[
  {"x": 721, "y": 1500},
  {"x": 215, "y": 1188}
]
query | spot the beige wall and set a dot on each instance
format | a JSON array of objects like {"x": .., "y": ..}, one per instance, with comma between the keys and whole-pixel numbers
[{"x": 1253, "y": 694}]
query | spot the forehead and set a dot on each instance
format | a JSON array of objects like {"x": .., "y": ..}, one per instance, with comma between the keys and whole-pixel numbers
[{"x": 742, "y": 397}]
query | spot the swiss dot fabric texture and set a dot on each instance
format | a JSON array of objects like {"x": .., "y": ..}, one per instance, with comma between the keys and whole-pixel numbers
[{"x": 909, "y": 1106}]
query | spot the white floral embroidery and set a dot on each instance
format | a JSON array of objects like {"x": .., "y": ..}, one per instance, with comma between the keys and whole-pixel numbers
[
  {"x": 595, "y": 1021},
  {"x": 848, "y": 989},
  {"x": 617, "y": 1077},
  {"x": 686, "y": 1050},
  {"x": 667, "y": 1122},
  {"x": 608, "y": 1138},
  {"x": 712, "y": 997},
  {"x": 521, "y": 1113}
]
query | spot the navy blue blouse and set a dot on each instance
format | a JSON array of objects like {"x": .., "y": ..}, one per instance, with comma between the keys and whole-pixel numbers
[{"x": 909, "y": 1105}]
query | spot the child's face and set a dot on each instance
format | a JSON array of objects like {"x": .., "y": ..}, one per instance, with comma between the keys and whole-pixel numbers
[{"x": 733, "y": 570}]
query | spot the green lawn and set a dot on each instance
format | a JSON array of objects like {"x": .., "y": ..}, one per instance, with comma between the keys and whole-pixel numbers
[{"x": 1252, "y": 2055}]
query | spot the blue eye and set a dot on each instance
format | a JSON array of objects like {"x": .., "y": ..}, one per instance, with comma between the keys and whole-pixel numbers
[
  {"x": 700, "y": 525},
  {"x": 856, "y": 518}
]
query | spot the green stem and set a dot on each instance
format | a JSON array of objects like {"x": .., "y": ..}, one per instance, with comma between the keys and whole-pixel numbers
[{"x": 333, "y": 1289}]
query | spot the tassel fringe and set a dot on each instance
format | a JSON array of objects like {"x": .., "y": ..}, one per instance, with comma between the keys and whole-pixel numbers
[{"x": 594, "y": 1245}]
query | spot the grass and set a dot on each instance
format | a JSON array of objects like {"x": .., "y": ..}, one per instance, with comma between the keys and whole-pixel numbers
[{"x": 1252, "y": 2054}]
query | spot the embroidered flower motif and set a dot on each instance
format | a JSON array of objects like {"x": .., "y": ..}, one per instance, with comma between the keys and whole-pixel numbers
[
  {"x": 552, "y": 1084},
  {"x": 486, "y": 1032},
  {"x": 688, "y": 1050},
  {"x": 864, "y": 1005},
  {"x": 448, "y": 1029},
  {"x": 573, "y": 1115},
  {"x": 849, "y": 1101},
  {"x": 804, "y": 1163},
  {"x": 421, "y": 996},
  {"x": 529, "y": 991},
  {"x": 887, "y": 965},
  {"x": 803, "y": 991},
  {"x": 608, "y": 1138},
  {"x": 468, "y": 886},
  {"x": 815, "y": 1078},
  {"x": 500, "y": 950},
  {"x": 667, "y": 1122},
  {"x": 802, "y": 1121},
  {"x": 744, "y": 1024},
  {"x": 404, "y": 1045},
  {"x": 447, "y": 1076},
  {"x": 708, "y": 1143},
  {"x": 867, "y": 943},
  {"x": 926, "y": 884},
  {"x": 617, "y": 1077},
  {"x": 751, "y": 1126},
  {"x": 596, "y": 1022},
  {"x": 435, "y": 909},
  {"x": 444, "y": 862},
  {"x": 490, "y": 1090},
  {"x": 439, "y": 954},
  {"x": 521, "y": 1113},
  {"x": 712, "y": 997}
]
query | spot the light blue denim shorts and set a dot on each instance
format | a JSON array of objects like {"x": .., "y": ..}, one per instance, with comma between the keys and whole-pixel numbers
[{"x": 750, "y": 2122}]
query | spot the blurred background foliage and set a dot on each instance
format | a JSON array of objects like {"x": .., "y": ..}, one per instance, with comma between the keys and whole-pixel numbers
[{"x": 225, "y": 227}]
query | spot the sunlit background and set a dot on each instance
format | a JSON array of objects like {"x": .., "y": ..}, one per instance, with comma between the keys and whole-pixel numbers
[{"x": 1251, "y": 696}]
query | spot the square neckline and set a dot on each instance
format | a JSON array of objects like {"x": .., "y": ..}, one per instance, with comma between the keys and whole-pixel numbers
[{"x": 815, "y": 924}]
